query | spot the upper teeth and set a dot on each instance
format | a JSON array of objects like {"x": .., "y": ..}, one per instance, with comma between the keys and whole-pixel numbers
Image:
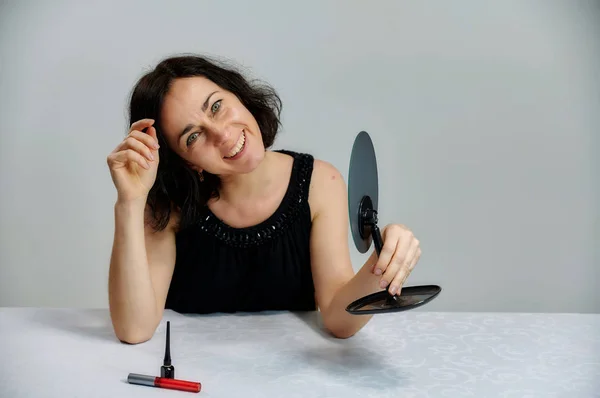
[{"x": 238, "y": 146}]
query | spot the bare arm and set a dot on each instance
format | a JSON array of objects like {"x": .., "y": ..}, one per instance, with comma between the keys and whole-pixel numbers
[
  {"x": 336, "y": 283},
  {"x": 141, "y": 268}
]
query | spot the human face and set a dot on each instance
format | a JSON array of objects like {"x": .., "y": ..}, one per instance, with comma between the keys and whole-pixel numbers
[{"x": 210, "y": 128}]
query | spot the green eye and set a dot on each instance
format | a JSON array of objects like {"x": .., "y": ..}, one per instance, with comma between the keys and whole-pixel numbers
[
  {"x": 216, "y": 106},
  {"x": 190, "y": 138}
]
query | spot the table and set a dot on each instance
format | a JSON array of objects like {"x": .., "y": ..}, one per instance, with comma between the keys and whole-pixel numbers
[{"x": 55, "y": 352}]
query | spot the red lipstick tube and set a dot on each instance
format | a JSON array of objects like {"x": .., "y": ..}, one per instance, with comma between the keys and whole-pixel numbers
[{"x": 162, "y": 382}]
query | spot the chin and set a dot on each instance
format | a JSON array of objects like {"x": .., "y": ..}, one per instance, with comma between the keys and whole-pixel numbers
[{"x": 253, "y": 160}]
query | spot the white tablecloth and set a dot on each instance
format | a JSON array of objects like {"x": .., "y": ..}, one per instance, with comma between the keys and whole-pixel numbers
[{"x": 73, "y": 353}]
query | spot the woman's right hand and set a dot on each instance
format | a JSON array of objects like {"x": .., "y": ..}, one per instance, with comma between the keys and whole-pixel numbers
[{"x": 134, "y": 162}]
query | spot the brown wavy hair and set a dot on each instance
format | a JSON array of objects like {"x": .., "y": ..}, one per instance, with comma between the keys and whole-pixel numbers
[{"x": 177, "y": 185}]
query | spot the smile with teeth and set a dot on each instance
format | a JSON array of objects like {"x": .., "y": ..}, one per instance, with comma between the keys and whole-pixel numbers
[{"x": 238, "y": 147}]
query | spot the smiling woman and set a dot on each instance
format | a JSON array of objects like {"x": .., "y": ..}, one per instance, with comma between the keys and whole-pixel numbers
[
  {"x": 187, "y": 97},
  {"x": 208, "y": 219}
]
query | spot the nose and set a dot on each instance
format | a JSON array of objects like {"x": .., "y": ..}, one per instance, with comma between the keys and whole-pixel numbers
[{"x": 221, "y": 135}]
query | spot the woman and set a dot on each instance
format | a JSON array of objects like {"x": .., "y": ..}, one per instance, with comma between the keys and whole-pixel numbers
[{"x": 207, "y": 219}]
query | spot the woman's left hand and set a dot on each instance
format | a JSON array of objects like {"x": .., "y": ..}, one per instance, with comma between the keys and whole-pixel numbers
[{"x": 399, "y": 255}]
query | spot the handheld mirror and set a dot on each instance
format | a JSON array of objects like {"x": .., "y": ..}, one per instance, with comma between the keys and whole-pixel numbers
[{"x": 363, "y": 200}]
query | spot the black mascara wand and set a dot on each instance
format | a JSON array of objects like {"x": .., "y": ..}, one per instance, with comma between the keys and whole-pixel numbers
[{"x": 167, "y": 370}]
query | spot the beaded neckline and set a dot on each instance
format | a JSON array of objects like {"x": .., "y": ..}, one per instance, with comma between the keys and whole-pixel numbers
[{"x": 294, "y": 200}]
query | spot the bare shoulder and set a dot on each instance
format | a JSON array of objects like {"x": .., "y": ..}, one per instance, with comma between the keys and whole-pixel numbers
[
  {"x": 327, "y": 186},
  {"x": 323, "y": 168},
  {"x": 326, "y": 176}
]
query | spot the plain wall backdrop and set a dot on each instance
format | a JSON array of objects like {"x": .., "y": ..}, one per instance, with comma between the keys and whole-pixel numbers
[{"x": 485, "y": 118}]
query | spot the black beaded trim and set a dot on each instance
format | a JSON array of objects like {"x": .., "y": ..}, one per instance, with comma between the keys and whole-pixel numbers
[{"x": 294, "y": 201}]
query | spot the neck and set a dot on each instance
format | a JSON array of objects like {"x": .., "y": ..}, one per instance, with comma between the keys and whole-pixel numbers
[{"x": 247, "y": 185}]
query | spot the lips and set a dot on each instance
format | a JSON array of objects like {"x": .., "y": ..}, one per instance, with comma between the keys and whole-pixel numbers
[{"x": 238, "y": 146}]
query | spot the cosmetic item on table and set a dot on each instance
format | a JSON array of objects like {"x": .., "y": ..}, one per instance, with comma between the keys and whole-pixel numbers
[
  {"x": 167, "y": 370},
  {"x": 167, "y": 373},
  {"x": 162, "y": 382}
]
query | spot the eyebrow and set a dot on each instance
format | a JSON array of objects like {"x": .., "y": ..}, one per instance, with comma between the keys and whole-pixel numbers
[{"x": 187, "y": 128}]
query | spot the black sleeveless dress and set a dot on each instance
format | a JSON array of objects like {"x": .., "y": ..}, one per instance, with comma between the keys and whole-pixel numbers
[{"x": 265, "y": 267}]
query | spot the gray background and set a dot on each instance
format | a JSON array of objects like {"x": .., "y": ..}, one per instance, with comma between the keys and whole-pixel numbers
[{"x": 485, "y": 118}]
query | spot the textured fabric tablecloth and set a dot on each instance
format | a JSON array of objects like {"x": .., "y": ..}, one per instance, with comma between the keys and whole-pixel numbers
[{"x": 73, "y": 353}]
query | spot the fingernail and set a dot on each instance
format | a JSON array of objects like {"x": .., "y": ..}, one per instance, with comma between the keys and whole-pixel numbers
[
  {"x": 383, "y": 284},
  {"x": 393, "y": 290},
  {"x": 151, "y": 157},
  {"x": 377, "y": 271}
]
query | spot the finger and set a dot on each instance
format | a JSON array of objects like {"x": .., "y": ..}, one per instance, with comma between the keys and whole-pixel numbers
[
  {"x": 151, "y": 131},
  {"x": 398, "y": 261},
  {"x": 138, "y": 146},
  {"x": 387, "y": 251},
  {"x": 137, "y": 135},
  {"x": 416, "y": 259},
  {"x": 412, "y": 266},
  {"x": 141, "y": 124},
  {"x": 391, "y": 269},
  {"x": 128, "y": 156},
  {"x": 407, "y": 266},
  {"x": 147, "y": 139},
  {"x": 134, "y": 144},
  {"x": 385, "y": 256},
  {"x": 150, "y": 137}
]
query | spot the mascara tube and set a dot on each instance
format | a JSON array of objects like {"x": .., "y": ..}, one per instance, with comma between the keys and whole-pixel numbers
[{"x": 162, "y": 382}]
